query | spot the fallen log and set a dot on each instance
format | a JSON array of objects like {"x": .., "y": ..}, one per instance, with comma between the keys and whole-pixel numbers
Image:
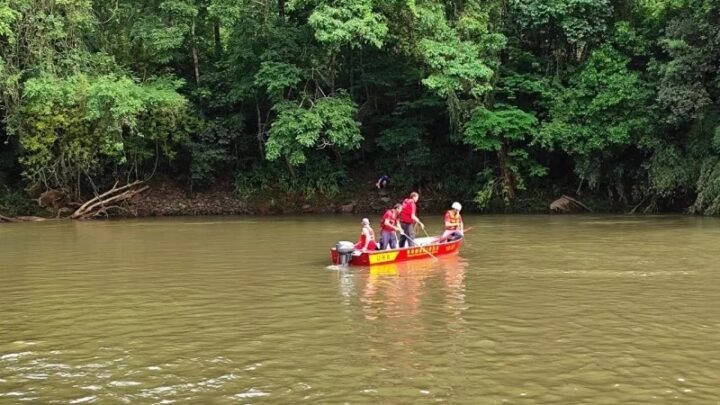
[
  {"x": 566, "y": 204},
  {"x": 111, "y": 199},
  {"x": 8, "y": 219},
  {"x": 21, "y": 219},
  {"x": 30, "y": 218}
]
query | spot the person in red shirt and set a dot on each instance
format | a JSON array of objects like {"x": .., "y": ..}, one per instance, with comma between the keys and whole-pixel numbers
[
  {"x": 408, "y": 218},
  {"x": 389, "y": 225},
  {"x": 367, "y": 237},
  {"x": 454, "y": 225}
]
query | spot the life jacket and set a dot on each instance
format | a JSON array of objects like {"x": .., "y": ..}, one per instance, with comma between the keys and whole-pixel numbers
[
  {"x": 361, "y": 242},
  {"x": 454, "y": 219},
  {"x": 407, "y": 211},
  {"x": 390, "y": 216}
]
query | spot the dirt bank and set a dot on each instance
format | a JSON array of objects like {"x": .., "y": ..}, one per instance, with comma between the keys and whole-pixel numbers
[{"x": 165, "y": 199}]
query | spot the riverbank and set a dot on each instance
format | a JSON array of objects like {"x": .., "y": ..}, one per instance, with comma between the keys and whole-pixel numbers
[
  {"x": 165, "y": 199},
  {"x": 168, "y": 199}
]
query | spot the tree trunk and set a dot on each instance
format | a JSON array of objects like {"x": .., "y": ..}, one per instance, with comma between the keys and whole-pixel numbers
[
  {"x": 332, "y": 75},
  {"x": 505, "y": 173},
  {"x": 281, "y": 9},
  {"x": 290, "y": 167},
  {"x": 216, "y": 35},
  {"x": 260, "y": 131},
  {"x": 196, "y": 60},
  {"x": 352, "y": 75}
]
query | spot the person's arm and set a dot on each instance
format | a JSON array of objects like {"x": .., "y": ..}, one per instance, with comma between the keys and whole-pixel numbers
[
  {"x": 416, "y": 219},
  {"x": 462, "y": 225},
  {"x": 388, "y": 223}
]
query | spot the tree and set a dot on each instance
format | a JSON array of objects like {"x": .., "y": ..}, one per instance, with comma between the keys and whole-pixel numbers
[
  {"x": 601, "y": 114},
  {"x": 496, "y": 131},
  {"x": 72, "y": 128},
  {"x": 327, "y": 122}
]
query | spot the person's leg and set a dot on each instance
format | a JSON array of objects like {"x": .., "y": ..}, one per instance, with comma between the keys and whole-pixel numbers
[
  {"x": 384, "y": 239},
  {"x": 411, "y": 234},
  {"x": 393, "y": 240},
  {"x": 403, "y": 239},
  {"x": 409, "y": 230}
]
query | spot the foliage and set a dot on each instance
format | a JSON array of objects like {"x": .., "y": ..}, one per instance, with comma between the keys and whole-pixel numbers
[
  {"x": 488, "y": 130},
  {"x": 319, "y": 178},
  {"x": 605, "y": 106},
  {"x": 497, "y": 131},
  {"x": 460, "y": 54},
  {"x": 491, "y": 99},
  {"x": 75, "y": 126},
  {"x": 606, "y": 109},
  {"x": 211, "y": 151},
  {"x": 15, "y": 202},
  {"x": 348, "y": 22},
  {"x": 578, "y": 21},
  {"x": 708, "y": 199},
  {"x": 327, "y": 122}
]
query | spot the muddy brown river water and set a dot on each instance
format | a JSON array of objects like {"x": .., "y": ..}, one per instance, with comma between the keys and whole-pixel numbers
[{"x": 534, "y": 310}]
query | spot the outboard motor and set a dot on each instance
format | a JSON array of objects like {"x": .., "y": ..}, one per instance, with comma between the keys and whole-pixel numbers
[{"x": 345, "y": 250}]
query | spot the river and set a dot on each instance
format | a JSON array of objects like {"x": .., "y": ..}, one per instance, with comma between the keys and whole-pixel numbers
[{"x": 534, "y": 310}]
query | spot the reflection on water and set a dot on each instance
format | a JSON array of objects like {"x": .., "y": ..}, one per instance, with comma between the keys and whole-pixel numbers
[
  {"x": 536, "y": 310},
  {"x": 395, "y": 290}
]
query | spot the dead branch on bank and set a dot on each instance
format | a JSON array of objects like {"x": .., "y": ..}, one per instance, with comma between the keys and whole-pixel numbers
[
  {"x": 23, "y": 218},
  {"x": 566, "y": 204},
  {"x": 111, "y": 199},
  {"x": 8, "y": 219}
]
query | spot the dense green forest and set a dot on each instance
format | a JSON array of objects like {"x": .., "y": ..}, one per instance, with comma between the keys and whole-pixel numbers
[{"x": 484, "y": 100}]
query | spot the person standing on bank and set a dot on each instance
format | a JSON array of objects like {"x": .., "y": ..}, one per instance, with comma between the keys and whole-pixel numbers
[
  {"x": 382, "y": 181},
  {"x": 454, "y": 226},
  {"x": 408, "y": 218},
  {"x": 388, "y": 225}
]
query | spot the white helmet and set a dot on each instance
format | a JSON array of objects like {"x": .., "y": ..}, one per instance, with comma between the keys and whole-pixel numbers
[
  {"x": 456, "y": 206},
  {"x": 365, "y": 221}
]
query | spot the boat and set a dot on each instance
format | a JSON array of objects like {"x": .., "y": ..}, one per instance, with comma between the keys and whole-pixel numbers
[{"x": 344, "y": 253}]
